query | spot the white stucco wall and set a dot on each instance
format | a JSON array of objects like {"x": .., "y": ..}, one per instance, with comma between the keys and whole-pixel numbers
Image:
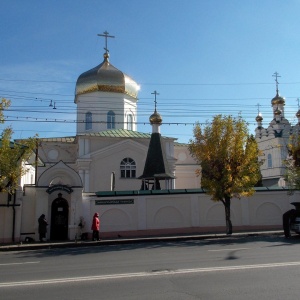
[
  {"x": 186, "y": 211},
  {"x": 145, "y": 214}
]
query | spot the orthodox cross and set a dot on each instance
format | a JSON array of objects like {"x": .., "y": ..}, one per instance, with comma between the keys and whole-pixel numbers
[
  {"x": 155, "y": 93},
  {"x": 106, "y": 35},
  {"x": 258, "y": 105},
  {"x": 276, "y": 75},
  {"x": 298, "y": 102}
]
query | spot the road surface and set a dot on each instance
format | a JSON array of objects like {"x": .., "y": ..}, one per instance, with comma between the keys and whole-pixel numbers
[{"x": 258, "y": 267}]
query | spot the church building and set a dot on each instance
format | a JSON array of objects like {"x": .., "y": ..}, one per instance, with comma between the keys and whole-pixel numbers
[
  {"x": 107, "y": 153},
  {"x": 273, "y": 141}
]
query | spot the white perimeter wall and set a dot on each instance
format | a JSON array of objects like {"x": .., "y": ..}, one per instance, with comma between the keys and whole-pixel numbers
[
  {"x": 148, "y": 214},
  {"x": 188, "y": 213}
]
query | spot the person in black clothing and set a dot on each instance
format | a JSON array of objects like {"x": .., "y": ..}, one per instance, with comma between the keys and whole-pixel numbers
[
  {"x": 42, "y": 227},
  {"x": 287, "y": 218}
]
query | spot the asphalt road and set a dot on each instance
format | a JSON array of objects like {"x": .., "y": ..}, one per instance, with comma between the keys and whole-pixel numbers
[{"x": 259, "y": 267}]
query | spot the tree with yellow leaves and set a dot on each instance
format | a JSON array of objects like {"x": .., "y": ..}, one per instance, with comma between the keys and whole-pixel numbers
[
  {"x": 228, "y": 156},
  {"x": 12, "y": 155},
  {"x": 292, "y": 163}
]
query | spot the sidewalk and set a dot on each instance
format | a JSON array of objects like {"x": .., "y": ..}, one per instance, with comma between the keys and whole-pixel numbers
[{"x": 88, "y": 243}]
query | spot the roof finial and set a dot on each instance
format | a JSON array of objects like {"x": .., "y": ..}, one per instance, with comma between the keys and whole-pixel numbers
[
  {"x": 258, "y": 112},
  {"x": 276, "y": 75},
  {"x": 155, "y": 102},
  {"x": 106, "y": 35},
  {"x": 298, "y": 102}
]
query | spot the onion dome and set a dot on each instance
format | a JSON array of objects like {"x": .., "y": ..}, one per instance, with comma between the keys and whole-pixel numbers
[
  {"x": 106, "y": 78},
  {"x": 298, "y": 114},
  {"x": 155, "y": 118},
  {"x": 259, "y": 118},
  {"x": 278, "y": 100}
]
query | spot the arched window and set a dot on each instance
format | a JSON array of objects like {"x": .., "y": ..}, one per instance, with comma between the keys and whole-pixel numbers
[
  {"x": 128, "y": 168},
  {"x": 88, "y": 120},
  {"x": 110, "y": 120},
  {"x": 129, "y": 122},
  {"x": 269, "y": 161}
]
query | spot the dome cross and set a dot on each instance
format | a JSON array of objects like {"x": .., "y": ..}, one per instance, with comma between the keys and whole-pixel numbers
[
  {"x": 276, "y": 75},
  {"x": 258, "y": 108},
  {"x": 106, "y": 35},
  {"x": 155, "y": 102}
]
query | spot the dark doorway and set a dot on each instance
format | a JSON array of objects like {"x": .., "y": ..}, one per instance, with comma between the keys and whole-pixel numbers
[{"x": 59, "y": 219}]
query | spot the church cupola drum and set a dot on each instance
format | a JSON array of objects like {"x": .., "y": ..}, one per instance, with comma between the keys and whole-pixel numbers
[{"x": 106, "y": 97}]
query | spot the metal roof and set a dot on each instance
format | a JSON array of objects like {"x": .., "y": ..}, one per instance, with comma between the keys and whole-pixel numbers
[
  {"x": 119, "y": 133},
  {"x": 111, "y": 133},
  {"x": 156, "y": 165}
]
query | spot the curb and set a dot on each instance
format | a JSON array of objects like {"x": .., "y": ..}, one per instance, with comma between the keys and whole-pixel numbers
[{"x": 76, "y": 244}]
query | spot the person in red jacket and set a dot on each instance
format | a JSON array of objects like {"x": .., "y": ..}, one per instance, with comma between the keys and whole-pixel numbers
[{"x": 96, "y": 227}]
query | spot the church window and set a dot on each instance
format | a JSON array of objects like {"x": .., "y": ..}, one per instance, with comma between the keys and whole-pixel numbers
[
  {"x": 129, "y": 122},
  {"x": 111, "y": 120},
  {"x": 88, "y": 121},
  {"x": 269, "y": 160},
  {"x": 128, "y": 168}
]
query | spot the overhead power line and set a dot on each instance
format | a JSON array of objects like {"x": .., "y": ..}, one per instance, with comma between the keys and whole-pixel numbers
[{"x": 159, "y": 84}]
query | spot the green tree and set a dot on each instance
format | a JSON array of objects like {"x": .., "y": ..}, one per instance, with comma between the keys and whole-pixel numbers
[
  {"x": 12, "y": 155},
  {"x": 228, "y": 157}
]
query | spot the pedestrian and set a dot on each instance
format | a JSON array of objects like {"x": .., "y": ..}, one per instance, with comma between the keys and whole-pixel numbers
[
  {"x": 42, "y": 227},
  {"x": 96, "y": 227}
]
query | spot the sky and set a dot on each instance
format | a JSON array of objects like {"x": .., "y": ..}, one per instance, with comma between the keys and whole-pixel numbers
[{"x": 203, "y": 57}]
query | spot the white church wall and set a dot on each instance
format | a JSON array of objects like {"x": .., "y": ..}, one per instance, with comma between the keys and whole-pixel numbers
[
  {"x": 168, "y": 212},
  {"x": 52, "y": 152},
  {"x": 276, "y": 151},
  {"x": 186, "y": 168},
  {"x": 28, "y": 221},
  {"x": 76, "y": 209},
  {"x": 29, "y": 176},
  {"x": 108, "y": 160},
  {"x": 130, "y": 109},
  {"x": 189, "y": 213},
  {"x": 7, "y": 228},
  {"x": 186, "y": 178},
  {"x": 109, "y": 102},
  {"x": 144, "y": 214},
  {"x": 115, "y": 218}
]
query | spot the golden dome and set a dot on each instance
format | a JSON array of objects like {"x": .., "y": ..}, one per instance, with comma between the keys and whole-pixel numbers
[
  {"x": 278, "y": 100},
  {"x": 106, "y": 78},
  {"x": 259, "y": 118},
  {"x": 298, "y": 113},
  {"x": 155, "y": 118}
]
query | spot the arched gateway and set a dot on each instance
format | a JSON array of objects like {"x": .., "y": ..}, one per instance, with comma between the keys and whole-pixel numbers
[
  {"x": 59, "y": 219},
  {"x": 60, "y": 194}
]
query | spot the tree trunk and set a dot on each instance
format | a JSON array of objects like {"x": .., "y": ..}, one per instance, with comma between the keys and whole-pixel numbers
[{"x": 227, "y": 215}]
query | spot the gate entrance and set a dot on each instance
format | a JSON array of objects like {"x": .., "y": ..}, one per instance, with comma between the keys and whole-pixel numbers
[{"x": 59, "y": 219}]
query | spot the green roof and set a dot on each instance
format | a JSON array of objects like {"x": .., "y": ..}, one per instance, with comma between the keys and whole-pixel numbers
[
  {"x": 111, "y": 133},
  {"x": 119, "y": 133}
]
